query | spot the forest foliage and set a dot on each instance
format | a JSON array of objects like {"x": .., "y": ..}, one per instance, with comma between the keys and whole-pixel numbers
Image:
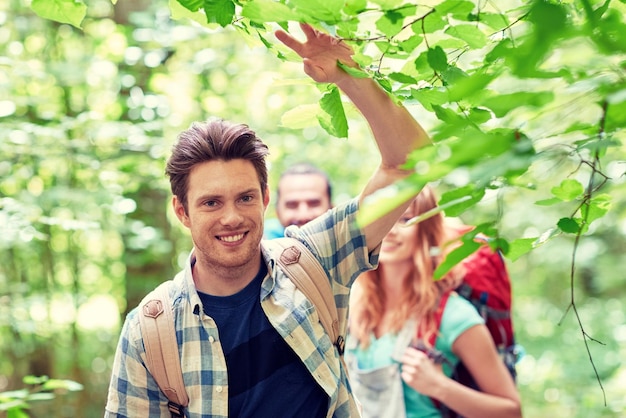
[{"x": 525, "y": 103}]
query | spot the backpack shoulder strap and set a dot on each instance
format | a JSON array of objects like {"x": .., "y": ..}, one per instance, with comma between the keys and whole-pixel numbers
[
  {"x": 309, "y": 276},
  {"x": 162, "y": 357}
]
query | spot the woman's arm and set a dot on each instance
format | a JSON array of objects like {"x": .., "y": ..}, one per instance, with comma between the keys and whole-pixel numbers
[{"x": 498, "y": 396}]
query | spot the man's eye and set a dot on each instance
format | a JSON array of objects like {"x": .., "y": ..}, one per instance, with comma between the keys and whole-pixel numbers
[
  {"x": 210, "y": 203},
  {"x": 247, "y": 198}
]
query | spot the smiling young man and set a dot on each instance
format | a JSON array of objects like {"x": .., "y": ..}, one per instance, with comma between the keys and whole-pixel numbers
[{"x": 251, "y": 345}]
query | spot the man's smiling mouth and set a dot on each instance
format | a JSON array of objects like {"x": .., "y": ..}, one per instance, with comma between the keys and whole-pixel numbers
[{"x": 231, "y": 238}]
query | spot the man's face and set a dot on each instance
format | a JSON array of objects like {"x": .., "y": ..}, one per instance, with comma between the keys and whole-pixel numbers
[
  {"x": 225, "y": 214},
  {"x": 301, "y": 198}
]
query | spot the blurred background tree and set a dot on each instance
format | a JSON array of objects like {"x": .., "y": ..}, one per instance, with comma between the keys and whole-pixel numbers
[{"x": 87, "y": 117}]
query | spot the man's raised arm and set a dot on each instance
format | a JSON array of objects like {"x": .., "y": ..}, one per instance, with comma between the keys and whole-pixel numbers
[{"x": 396, "y": 132}]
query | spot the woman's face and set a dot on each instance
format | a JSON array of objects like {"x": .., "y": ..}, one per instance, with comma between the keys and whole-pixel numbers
[{"x": 400, "y": 244}]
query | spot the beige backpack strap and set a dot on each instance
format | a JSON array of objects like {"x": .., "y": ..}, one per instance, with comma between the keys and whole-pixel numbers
[
  {"x": 309, "y": 276},
  {"x": 162, "y": 357}
]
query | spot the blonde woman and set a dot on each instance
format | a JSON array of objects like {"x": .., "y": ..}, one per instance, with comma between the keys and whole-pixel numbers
[{"x": 387, "y": 308}]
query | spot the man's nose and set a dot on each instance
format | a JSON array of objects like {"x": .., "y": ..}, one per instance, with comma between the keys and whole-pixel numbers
[{"x": 231, "y": 216}]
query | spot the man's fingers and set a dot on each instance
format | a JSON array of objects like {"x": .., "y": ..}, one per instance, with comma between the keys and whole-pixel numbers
[
  {"x": 289, "y": 41},
  {"x": 308, "y": 30}
]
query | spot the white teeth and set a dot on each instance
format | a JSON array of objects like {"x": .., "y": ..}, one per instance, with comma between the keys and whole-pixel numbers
[{"x": 232, "y": 238}]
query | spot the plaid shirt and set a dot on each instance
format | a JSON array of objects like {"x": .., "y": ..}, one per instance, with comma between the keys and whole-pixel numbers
[{"x": 341, "y": 249}]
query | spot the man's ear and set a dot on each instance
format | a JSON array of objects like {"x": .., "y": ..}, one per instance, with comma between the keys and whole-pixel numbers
[
  {"x": 180, "y": 212},
  {"x": 266, "y": 197}
]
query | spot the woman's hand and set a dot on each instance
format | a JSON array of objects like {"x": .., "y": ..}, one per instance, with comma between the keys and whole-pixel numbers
[
  {"x": 421, "y": 373},
  {"x": 320, "y": 53}
]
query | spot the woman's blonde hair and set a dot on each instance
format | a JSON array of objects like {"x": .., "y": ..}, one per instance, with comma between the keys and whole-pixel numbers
[{"x": 420, "y": 296}]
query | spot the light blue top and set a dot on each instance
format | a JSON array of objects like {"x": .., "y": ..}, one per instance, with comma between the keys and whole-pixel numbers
[{"x": 458, "y": 316}]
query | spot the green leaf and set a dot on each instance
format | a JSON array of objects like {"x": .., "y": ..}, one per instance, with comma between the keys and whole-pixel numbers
[
  {"x": 63, "y": 11},
  {"x": 468, "y": 86},
  {"x": 392, "y": 21},
  {"x": 17, "y": 413},
  {"x": 493, "y": 20},
  {"x": 519, "y": 247},
  {"x": 458, "y": 200},
  {"x": 501, "y": 104},
  {"x": 431, "y": 96},
  {"x": 568, "y": 225},
  {"x": 431, "y": 23},
  {"x": 268, "y": 11},
  {"x": 219, "y": 11},
  {"x": 14, "y": 394},
  {"x": 43, "y": 396},
  {"x": 35, "y": 380},
  {"x": 548, "y": 202},
  {"x": 479, "y": 115},
  {"x": 354, "y": 7},
  {"x": 333, "y": 117},
  {"x": 568, "y": 190},
  {"x": 192, "y": 5},
  {"x": 69, "y": 385},
  {"x": 300, "y": 117},
  {"x": 328, "y": 11},
  {"x": 353, "y": 71},
  {"x": 598, "y": 207},
  {"x": 384, "y": 200},
  {"x": 456, "y": 7},
  {"x": 455, "y": 257},
  {"x": 452, "y": 75},
  {"x": 409, "y": 45},
  {"x": 178, "y": 12},
  {"x": 437, "y": 58},
  {"x": 474, "y": 37},
  {"x": 402, "y": 78}
]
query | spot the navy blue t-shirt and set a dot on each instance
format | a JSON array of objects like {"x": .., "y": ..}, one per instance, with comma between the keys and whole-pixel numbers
[{"x": 265, "y": 376}]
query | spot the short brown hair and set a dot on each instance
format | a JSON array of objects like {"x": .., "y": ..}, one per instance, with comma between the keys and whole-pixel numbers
[{"x": 214, "y": 140}]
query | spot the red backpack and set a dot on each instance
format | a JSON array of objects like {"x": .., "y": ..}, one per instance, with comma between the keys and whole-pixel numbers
[{"x": 487, "y": 286}]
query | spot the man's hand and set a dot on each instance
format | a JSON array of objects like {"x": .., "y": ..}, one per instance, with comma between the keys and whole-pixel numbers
[{"x": 320, "y": 53}]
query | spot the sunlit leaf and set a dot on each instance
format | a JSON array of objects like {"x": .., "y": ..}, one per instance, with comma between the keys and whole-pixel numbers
[
  {"x": 519, "y": 247},
  {"x": 63, "y": 11},
  {"x": 178, "y": 12},
  {"x": 16, "y": 412},
  {"x": 467, "y": 86},
  {"x": 268, "y": 11},
  {"x": 323, "y": 10},
  {"x": 568, "y": 190},
  {"x": 458, "y": 200},
  {"x": 302, "y": 116},
  {"x": 353, "y": 71},
  {"x": 384, "y": 200},
  {"x": 474, "y": 37},
  {"x": 493, "y": 20},
  {"x": 192, "y": 5},
  {"x": 70, "y": 385},
  {"x": 437, "y": 59},
  {"x": 455, "y": 257},
  {"x": 431, "y": 96},
  {"x": 333, "y": 118},
  {"x": 598, "y": 207},
  {"x": 219, "y": 11},
  {"x": 548, "y": 202},
  {"x": 501, "y": 104}
]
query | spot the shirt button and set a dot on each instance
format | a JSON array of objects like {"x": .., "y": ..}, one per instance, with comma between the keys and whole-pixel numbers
[
  {"x": 211, "y": 339},
  {"x": 219, "y": 389}
]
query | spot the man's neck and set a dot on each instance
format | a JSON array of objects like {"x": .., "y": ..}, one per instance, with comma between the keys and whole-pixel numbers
[{"x": 224, "y": 281}]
